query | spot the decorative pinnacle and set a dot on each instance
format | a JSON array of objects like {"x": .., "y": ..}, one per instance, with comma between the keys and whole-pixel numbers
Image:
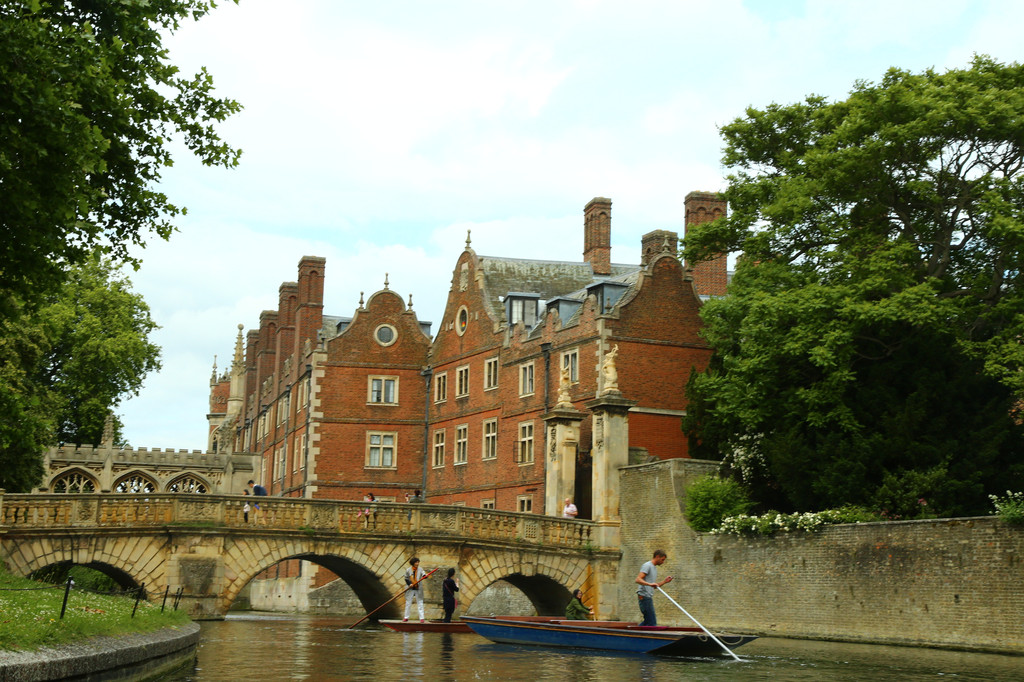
[
  {"x": 468, "y": 241},
  {"x": 385, "y": 281},
  {"x": 360, "y": 299},
  {"x": 410, "y": 301},
  {"x": 237, "y": 364}
]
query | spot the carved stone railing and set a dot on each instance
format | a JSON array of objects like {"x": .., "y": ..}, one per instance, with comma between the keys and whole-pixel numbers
[{"x": 47, "y": 512}]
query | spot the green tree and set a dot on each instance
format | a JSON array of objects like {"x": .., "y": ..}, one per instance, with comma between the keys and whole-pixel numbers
[
  {"x": 88, "y": 106},
  {"x": 869, "y": 351},
  {"x": 68, "y": 364},
  {"x": 99, "y": 351}
]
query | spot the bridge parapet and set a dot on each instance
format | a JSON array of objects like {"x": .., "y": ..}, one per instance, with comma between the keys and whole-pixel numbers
[{"x": 47, "y": 512}]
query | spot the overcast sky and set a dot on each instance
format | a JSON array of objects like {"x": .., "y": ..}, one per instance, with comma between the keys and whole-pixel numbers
[{"x": 375, "y": 134}]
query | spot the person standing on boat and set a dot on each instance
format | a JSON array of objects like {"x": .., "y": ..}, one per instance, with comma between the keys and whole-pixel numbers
[
  {"x": 414, "y": 593},
  {"x": 648, "y": 580},
  {"x": 448, "y": 589},
  {"x": 576, "y": 609}
]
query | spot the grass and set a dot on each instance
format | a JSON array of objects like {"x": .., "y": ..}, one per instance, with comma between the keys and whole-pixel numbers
[{"x": 30, "y": 615}]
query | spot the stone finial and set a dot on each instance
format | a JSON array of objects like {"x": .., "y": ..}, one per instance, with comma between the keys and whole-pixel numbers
[
  {"x": 385, "y": 281},
  {"x": 564, "y": 399},
  {"x": 108, "y": 427},
  {"x": 468, "y": 242},
  {"x": 610, "y": 374},
  {"x": 238, "y": 359},
  {"x": 360, "y": 299},
  {"x": 410, "y": 301},
  {"x": 213, "y": 374}
]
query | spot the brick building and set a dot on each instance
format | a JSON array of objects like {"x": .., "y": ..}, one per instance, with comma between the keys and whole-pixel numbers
[{"x": 338, "y": 406}]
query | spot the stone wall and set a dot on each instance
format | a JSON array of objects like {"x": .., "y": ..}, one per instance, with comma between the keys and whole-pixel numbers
[{"x": 948, "y": 582}]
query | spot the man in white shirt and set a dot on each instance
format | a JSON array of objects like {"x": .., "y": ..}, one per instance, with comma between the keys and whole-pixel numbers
[{"x": 570, "y": 510}]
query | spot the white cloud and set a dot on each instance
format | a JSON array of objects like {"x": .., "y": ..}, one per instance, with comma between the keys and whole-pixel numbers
[{"x": 376, "y": 134}]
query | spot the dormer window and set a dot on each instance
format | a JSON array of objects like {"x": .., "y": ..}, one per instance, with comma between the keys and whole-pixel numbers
[
  {"x": 521, "y": 307},
  {"x": 607, "y": 294}
]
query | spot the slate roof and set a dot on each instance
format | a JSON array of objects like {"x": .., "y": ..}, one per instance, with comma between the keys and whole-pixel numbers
[{"x": 548, "y": 279}]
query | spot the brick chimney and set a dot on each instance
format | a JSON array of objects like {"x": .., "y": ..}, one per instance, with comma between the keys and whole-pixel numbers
[
  {"x": 654, "y": 243},
  {"x": 710, "y": 277},
  {"x": 597, "y": 235}
]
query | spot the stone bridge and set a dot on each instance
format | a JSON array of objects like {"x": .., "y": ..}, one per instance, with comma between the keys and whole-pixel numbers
[{"x": 203, "y": 545}]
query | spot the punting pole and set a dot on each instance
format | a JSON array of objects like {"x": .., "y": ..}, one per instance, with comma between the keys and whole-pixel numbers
[
  {"x": 718, "y": 641},
  {"x": 399, "y": 594}
]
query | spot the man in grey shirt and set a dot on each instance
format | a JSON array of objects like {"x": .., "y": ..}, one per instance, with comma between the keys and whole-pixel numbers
[{"x": 648, "y": 580}]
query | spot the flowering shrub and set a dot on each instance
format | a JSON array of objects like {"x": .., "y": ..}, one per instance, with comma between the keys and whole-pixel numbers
[
  {"x": 1009, "y": 508},
  {"x": 774, "y": 522}
]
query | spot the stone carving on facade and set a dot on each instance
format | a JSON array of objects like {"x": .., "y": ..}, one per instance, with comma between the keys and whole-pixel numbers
[
  {"x": 609, "y": 373},
  {"x": 554, "y": 445},
  {"x": 598, "y": 433},
  {"x": 198, "y": 511},
  {"x": 564, "y": 381}
]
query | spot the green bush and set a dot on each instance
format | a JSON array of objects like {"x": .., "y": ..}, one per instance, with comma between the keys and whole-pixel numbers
[
  {"x": 709, "y": 500},
  {"x": 1010, "y": 509}
]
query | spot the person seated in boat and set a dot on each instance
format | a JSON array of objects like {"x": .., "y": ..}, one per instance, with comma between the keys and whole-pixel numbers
[{"x": 576, "y": 609}]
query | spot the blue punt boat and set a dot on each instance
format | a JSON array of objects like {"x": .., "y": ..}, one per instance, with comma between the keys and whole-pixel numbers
[{"x": 602, "y": 635}]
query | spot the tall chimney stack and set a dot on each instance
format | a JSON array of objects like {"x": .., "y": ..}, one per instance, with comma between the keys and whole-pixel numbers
[{"x": 597, "y": 235}]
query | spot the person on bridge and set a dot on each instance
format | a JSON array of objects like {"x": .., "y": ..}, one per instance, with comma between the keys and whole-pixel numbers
[
  {"x": 576, "y": 609},
  {"x": 648, "y": 580},
  {"x": 448, "y": 589},
  {"x": 413, "y": 575},
  {"x": 256, "y": 490}
]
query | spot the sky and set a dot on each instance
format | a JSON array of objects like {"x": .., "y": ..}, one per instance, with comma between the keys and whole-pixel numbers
[{"x": 376, "y": 134}]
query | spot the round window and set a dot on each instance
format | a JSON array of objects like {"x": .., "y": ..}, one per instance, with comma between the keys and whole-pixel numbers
[
  {"x": 385, "y": 335},
  {"x": 462, "y": 321}
]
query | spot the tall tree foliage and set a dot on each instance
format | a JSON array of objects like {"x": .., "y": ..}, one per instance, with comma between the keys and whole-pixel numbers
[
  {"x": 67, "y": 364},
  {"x": 870, "y": 349},
  {"x": 88, "y": 104}
]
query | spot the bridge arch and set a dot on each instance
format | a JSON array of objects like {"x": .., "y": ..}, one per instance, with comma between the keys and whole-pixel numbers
[
  {"x": 26, "y": 557},
  {"x": 242, "y": 564}
]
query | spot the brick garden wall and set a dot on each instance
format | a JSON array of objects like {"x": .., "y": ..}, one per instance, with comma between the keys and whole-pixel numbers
[{"x": 949, "y": 582}]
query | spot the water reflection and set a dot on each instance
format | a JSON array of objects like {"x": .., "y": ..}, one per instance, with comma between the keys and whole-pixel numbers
[{"x": 279, "y": 647}]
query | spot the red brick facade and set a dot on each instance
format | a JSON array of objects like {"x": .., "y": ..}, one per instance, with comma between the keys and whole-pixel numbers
[{"x": 340, "y": 406}]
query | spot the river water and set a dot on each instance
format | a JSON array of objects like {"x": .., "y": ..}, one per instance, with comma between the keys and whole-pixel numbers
[{"x": 259, "y": 646}]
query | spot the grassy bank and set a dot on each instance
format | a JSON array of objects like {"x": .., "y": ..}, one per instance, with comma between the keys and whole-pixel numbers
[{"x": 30, "y": 614}]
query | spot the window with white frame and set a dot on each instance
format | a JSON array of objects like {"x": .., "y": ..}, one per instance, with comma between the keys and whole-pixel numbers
[
  {"x": 490, "y": 373},
  {"x": 461, "y": 443},
  {"x": 282, "y": 411},
  {"x": 300, "y": 456},
  {"x": 462, "y": 381},
  {"x": 571, "y": 362},
  {"x": 524, "y": 453},
  {"x": 524, "y": 503},
  {"x": 490, "y": 428},
  {"x": 282, "y": 456},
  {"x": 382, "y": 390},
  {"x": 441, "y": 387},
  {"x": 526, "y": 379},
  {"x": 380, "y": 449},
  {"x": 438, "y": 448},
  {"x": 487, "y": 504}
]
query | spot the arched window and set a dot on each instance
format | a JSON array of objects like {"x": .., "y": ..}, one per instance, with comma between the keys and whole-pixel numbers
[
  {"x": 135, "y": 483},
  {"x": 73, "y": 482},
  {"x": 188, "y": 484}
]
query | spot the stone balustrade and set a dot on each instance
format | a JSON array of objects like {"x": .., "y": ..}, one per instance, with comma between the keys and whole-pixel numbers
[{"x": 22, "y": 512}]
